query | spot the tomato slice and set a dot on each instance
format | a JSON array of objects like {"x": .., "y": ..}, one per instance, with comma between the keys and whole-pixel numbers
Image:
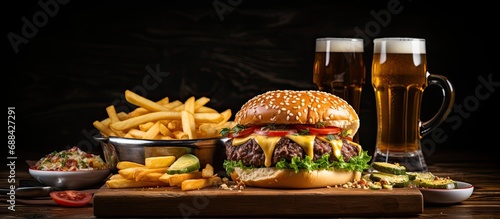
[
  {"x": 275, "y": 133},
  {"x": 329, "y": 130},
  {"x": 348, "y": 138},
  {"x": 242, "y": 133},
  {"x": 71, "y": 198}
]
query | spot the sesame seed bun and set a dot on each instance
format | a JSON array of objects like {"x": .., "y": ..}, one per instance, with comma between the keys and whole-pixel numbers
[{"x": 298, "y": 107}]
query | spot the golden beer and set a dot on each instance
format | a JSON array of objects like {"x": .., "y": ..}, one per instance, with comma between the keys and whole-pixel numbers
[
  {"x": 339, "y": 69},
  {"x": 399, "y": 78},
  {"x": 399, "y": 83}
]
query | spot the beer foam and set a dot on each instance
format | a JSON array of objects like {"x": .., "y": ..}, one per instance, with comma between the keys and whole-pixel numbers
[
  {"x": 339, "y": 45},
  {"x": 399, "y": 45}
]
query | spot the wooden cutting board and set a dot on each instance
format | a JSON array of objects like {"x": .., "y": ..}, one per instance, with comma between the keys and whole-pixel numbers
[{"x": 257, "y": 202}]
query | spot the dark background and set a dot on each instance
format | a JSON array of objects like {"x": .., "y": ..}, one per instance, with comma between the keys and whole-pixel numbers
[{"x": 84, "y": 55}]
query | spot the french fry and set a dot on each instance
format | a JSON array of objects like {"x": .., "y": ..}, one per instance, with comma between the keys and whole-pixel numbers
[
  {"x": 155, "y": 116},
  {"x": 174, "y": 125},
  {"x": 127, "y": 164},
  {"x": 127, "y": 183},
  {"x": 103, "y": 129},
  {"x": 153, "y": 131},
  {"x": 159, "y": 161},
  {"x": 189, "y": 105},
  {"x": 128, "y": 173},
  {"x": 172, "y": 105},
  {"x": 142, "y": 172},
  {"x": 208, "y": 117},
  {"x": 138, "y": 111},
  {"x": 177, "y": 179},
  {"x": 195, "y": 184},
  {"x": 146, "y": 126},
  {"x": 188, "y": 124},
  {"x": 116, "y": 176},
  {"x": 201, "y": 102},
  {"x": 165, "y": 101},
  {"x": 138, "y": 100},
  {"x": 112, "y": 114},
  {"x": 122, "y": 115},
  {"x": 204, "y": 109},
  {"x": 165, "y": 131},
  {"x": 166, "y": 178},
  {"x": 155, "y": 177},
  {"x": 136, "y": 133},
  {"x": 180, "y": 135},
  {"x": 226, "y": 115},
  {"x": 141, "y": 111},
  {"x": 106, "y": 122},
  {"x": 206, "y": 130},
  {"x": 113, "y": 117}
]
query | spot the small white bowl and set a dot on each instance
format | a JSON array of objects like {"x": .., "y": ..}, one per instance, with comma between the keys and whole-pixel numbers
[
  {"x": 448, "y": 196},
  {"x": 64, "y": 180}
]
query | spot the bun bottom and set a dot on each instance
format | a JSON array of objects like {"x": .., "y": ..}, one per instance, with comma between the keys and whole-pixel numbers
[{"x": 275, "y": 178}]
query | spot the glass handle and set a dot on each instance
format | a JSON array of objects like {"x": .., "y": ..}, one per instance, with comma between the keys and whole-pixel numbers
[{"x": 446, "y": 106}]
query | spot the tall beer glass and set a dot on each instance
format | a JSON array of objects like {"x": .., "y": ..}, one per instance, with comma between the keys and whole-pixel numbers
[
  {"x": 339, "y": 69},
  {"x": 399, "y": 77}
]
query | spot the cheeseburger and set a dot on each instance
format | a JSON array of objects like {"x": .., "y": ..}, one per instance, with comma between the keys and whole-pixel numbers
[{"x": 294, "y": 139}]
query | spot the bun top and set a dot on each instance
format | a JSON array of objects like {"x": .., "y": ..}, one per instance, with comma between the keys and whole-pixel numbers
[{"x": 298, "y": 107}]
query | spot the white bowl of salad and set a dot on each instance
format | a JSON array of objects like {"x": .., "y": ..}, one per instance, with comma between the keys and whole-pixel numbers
[{"x": 70, "y": 169}]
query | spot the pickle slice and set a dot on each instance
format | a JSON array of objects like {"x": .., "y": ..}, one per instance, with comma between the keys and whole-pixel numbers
[
  {"x": 389, "y": 168},
  {"x": 438, "y": 183},
  {"x": 421, "y": 175},
  {"x": 398, "y": 181},
  {"x": 184, "y": 164}
]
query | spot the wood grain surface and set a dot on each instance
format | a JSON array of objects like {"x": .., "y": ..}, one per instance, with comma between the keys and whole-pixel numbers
[
  {"x": 480, "y": 169},
  {"x": 256, "y": 202}
]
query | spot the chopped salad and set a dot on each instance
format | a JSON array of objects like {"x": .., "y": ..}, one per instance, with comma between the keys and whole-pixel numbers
[{"x": 70, "y": 160}]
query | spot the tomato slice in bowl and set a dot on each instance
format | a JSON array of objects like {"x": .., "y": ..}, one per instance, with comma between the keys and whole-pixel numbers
[
  {"x": 71, "y": 198},
  {"x": 275, "y": 133},
  {"x": 328, "y": 130}
]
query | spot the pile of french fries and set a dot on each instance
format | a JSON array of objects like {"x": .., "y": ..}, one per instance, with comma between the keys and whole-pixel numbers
[
  {"x": 153, "y": 174},
  {"x": 164, "y": 119}
]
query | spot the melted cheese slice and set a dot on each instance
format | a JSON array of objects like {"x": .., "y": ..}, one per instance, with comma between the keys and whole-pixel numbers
[
  {"x": 306, "y": 142},
  {"x": 336, "y": 146},
  {"x": 267, "y": 144}
]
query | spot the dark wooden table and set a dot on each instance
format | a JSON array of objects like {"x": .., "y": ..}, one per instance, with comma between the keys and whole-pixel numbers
[{"x": 477, "y": 166}]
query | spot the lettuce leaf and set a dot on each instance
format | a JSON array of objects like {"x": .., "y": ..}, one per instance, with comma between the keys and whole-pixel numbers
[{"x": 358, "y": 163}]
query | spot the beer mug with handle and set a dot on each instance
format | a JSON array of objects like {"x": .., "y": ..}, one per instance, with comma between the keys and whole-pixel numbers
[{"x": 399, "y": 78}]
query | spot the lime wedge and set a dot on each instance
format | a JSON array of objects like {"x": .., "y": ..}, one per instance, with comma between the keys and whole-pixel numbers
[{"x": 184, "y": 164}]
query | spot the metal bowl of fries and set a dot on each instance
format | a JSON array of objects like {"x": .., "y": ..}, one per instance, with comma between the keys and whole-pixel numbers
[
  {"x": 118, "y": 149},
  {"x": 161, "y": 128}
]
